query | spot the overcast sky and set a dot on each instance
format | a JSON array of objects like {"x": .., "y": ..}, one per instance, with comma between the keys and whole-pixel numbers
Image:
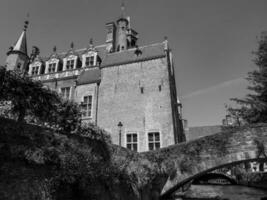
[{"x": 211, "y": 40}]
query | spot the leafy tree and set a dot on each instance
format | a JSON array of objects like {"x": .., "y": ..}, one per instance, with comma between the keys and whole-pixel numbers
[
  {"x": 253, "y": 108},
  {"x": 28, "y": 100}
]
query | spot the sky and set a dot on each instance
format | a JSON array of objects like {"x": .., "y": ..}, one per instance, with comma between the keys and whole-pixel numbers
[{"x": 211, "y": 40}]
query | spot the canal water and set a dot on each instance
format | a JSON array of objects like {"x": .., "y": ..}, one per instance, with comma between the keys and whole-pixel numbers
[{"x": 229, "y": 192}]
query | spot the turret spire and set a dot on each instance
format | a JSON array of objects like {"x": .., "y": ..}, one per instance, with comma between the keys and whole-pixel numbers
[
  {"x": 21, "y": 44},
  {"x": 17, "y": 56}
]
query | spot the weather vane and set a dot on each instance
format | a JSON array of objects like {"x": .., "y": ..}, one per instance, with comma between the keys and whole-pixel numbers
[{"x": 26, "y": 23}]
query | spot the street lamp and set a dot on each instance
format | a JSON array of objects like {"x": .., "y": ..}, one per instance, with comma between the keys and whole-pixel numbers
[{"x": 120, "y": 127}]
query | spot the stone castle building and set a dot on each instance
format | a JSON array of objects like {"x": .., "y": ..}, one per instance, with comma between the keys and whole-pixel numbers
[{"x": 127, "y": 90}]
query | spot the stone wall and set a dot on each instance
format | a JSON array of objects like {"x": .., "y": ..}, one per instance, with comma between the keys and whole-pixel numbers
[
  {"x": 58, "y": 84},
  {"x": 141, "y": 95},
  {"x": 138, "y": 95}
]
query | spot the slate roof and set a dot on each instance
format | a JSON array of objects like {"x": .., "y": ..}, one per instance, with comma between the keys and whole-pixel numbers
[
  {"x": 21, "y": 44},
  {"x": 88, "y": 76},
  {"x": 127, "y": 56}
]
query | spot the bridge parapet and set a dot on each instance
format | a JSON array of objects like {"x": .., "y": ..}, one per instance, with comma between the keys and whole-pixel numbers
[{"x": 195, "y": 158}]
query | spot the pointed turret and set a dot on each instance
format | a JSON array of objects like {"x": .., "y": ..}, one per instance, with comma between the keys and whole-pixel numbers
[
  {"x": 17, "y": 56},
  {"x": 21, "y": 44}
]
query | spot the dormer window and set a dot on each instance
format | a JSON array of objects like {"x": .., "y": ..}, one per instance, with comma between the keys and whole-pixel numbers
[
  {"x": 90, "y": 57},
  {"x": 90, "y": 61},
  {"x": 52, "y": 67},
  {"x": 71, "y": 61},
  {"x": 70, "y": 64},
  {"x": 35, "y": 70}
]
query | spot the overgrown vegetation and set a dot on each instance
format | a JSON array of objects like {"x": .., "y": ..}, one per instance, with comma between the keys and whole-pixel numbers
[
  {"x": 48, "y": 165},
  {"x": 23, "y": 99},
  {"x": 61, "y": 158},
  {"x": 253, "y": 108}
]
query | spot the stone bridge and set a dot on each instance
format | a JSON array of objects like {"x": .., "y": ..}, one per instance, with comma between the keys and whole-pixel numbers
[
  {"x": 188, "y": 161},
  {"x": 153, "y": 175}
]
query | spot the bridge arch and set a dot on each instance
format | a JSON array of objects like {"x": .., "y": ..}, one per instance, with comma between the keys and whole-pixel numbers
[
  {"x": 193, "y": 159},
  {"x": 214, "y": 176},
  {"x": 191, "y": 178}
]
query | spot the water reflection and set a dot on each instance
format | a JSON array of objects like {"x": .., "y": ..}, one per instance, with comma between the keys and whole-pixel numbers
[{"x": 231, "y": 192}]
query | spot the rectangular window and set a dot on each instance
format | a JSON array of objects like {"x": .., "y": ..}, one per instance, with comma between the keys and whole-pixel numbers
[
  {"x": 90, "y": 61},
  {"x": 131, "y": 141},
  {"x": 65, "y": 92},
  {"x": 70, "y": 64},
  {"x": 87, "y": 106},
  {"x": 153, "y": 140},
  {"x": 35, "y": 70},
  {"x": 52, "y": 67}
]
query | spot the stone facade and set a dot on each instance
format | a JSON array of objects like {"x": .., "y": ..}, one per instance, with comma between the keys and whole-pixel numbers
[
  {"x": 138, "y": 95},
  {"x": 117, "y": 82}
]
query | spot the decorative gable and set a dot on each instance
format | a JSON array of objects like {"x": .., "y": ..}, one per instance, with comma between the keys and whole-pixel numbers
[
  {"x": 70, "y": 62},
  {"x": 52, "y": 65},
  {"x": 35, "y": 68},
  {"x": 89, "y": 59},
  {"x": 90, "y": 56}
]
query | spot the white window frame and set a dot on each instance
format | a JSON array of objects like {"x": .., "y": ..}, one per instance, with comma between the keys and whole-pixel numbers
[
  {"x": 34, "y": 65},
  {"x": 52, "y": 61},
  {"x": 86, "y": 55},
  {"x": 91, "y": 61},
  {"x": 70, "y": 64},
  {"x": 160, "y": 139},
  {"x": 137, "y": 142},
  {"x": 63, "y": 93},
  {"x": 53, "y": 66},
  {"x": 35, "y": 70},
  {"x": 86, "y": 110},
  {"x": 70, "y": 58}
]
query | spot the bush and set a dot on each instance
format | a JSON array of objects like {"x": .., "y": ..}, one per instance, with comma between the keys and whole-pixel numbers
[{"x": 23, "y": 99}]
